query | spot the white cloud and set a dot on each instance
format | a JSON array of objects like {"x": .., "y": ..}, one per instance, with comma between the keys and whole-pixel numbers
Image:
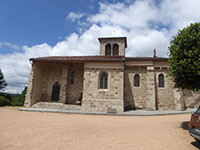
[
  {"x": 179, "y": 13},
  {"x": 10, "y": 45},
  {"x": 131, "y": 16},
  {"x": 75, "y": 16},
  {"x": 16, "y": 66},
  {"x": 146, "y": 25}
]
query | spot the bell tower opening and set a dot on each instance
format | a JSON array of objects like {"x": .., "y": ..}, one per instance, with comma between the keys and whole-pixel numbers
[
  {"x": 115, "y": 50},
  {"x": 108, "y": 50}
]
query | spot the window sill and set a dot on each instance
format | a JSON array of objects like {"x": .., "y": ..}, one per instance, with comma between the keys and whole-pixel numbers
[
  {"x": 137, "y": 86},
  {"x": 161, "y": 88},
  {"x": 103, "y": 90}
]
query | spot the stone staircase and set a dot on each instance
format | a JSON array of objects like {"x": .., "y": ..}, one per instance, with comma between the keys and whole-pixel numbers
[
  {"x": 192, "y": 99},
  {"x": 60, "y": 106},
  {"x": 194, "y": 103}
]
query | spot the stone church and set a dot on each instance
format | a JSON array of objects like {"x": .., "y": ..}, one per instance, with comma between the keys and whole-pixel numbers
[{"x": 108, "y": 81}]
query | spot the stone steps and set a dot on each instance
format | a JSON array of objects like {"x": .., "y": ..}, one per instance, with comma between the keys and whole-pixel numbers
[
  {"x": 194, "y": 103},
  {"x": 51, "y": 105}
]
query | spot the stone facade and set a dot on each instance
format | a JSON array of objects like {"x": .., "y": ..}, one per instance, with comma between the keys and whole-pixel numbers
[
  {"x": 104, "y": 83},
  {"x": 99, "y": 100},
  {"x": 75, "y": 90},
  {"x": 164, "y": 95},
  {"x": 134, "y": 96},
  {"x": 44, "y": 75}
]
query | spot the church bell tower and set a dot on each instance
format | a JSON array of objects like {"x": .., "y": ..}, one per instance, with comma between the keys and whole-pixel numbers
[{"x": 112, "y": 46}]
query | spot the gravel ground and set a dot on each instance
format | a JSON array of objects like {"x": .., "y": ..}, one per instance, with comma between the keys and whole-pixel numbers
[{"x": 20, "y": 130}]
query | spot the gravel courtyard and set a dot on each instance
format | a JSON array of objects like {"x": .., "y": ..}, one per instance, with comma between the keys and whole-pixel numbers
[{"x": 20, "y": 130}]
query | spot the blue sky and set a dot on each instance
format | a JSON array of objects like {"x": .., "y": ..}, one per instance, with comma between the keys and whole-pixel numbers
[
  {"x": 30, "y": 22},
  {"x": 34, "y": 28}
]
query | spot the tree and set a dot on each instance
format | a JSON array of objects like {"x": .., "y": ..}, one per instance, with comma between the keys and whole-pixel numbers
[
  {"x": 3, "y": 83},
  {"x": 184, "y": 58},
  {"x": 18, "y": 100}
]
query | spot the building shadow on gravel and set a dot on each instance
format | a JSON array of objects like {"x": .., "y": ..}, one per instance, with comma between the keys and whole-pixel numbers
[
  {"x": 184, "y": 125},
  {"x": 196, "y": 144}
]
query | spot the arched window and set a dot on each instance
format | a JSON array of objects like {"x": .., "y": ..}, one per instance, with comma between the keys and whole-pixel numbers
[
  {"x": 108, "y": 50},
  {"x": 115, "y": 50},
  {"x": 55, "y": 92},
  {"x": 103, "y": 80},
  {"x": 136, "y": 80},
  {"x": 161, "y": 80}
]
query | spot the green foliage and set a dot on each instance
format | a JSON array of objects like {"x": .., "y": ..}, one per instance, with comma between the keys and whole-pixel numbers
[
  {"x": 3, "y": 83},
  {"x": 4, "y": 101},
  {"x": 8, "y": 96},
  {"x": 13, "y": 100},
  {"x": 18, "y": 100},
  {"x": 185, "y": 58}
]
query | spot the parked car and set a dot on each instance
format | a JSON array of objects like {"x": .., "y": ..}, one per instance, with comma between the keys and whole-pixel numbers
[{"x": 194, "y": 125}]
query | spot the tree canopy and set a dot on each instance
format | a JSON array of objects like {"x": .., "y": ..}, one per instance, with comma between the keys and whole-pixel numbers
[
  {"x": 18, "y": 100},
  {"x": 3, "y": 83},
  {"x": 184, "y": 58}
]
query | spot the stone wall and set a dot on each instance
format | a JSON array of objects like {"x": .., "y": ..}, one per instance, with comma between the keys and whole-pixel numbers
[
  {"x": 164, "y": 95},
  {"x": 52, "y": 73},
  {"x": 62, "y": 73},
  {"x": 135, "y": 97},
  {"x": 37, "y": 82},
  {"x": 64, "y": 83},
  {"x": 99, "y": 100},
  {"x": 28, "y": 98},
  {"x": 150, "y": 89},
  {"x": 44, "y": 75},
  {"x": 149, "y": 95},
  {"x": 75, "y": 90}
]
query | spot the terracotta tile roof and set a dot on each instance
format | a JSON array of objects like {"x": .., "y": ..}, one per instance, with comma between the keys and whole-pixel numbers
[
  {"x": 80, "y": 58},
  {"x": 145, "y": 58},
  {"x": 93, "y": 59}
]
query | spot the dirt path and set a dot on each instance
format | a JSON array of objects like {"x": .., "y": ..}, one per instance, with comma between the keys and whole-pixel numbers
[{"x": 21, "y": 130}]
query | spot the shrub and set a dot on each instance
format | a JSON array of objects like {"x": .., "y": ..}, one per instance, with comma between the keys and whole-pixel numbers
[
  {"x": 4, "y": 101},
  {"x": 17, "y": 103}
]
